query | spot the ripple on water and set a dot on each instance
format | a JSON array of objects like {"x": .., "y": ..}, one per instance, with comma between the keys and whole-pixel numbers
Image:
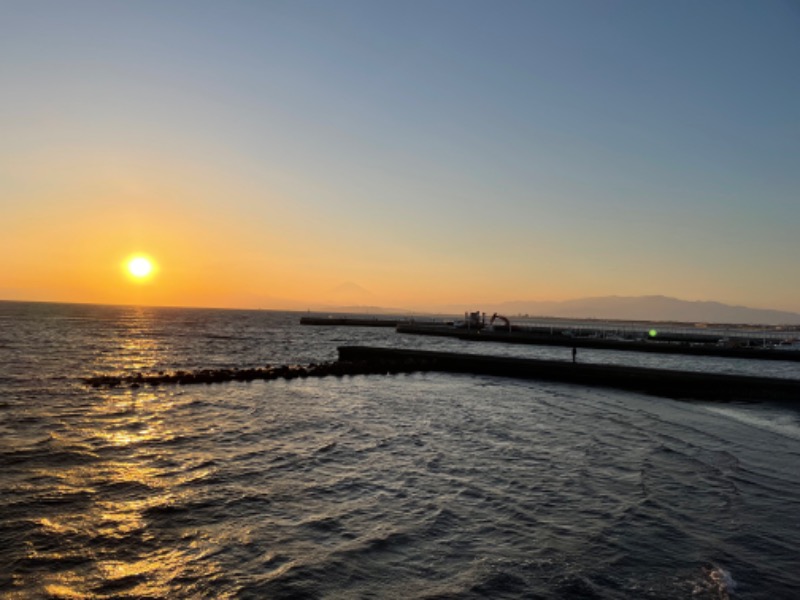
[{"x": 423, "y": 486}]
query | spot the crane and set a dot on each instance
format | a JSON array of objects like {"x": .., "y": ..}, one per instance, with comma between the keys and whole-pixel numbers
[{"x": 495, "y": 316}]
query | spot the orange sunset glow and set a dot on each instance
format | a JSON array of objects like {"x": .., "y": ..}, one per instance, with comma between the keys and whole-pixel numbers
[{"x": 262, "y": 178}]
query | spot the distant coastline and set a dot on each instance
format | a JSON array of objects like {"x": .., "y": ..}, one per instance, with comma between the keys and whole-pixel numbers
[{"x": 644, "y": 309}]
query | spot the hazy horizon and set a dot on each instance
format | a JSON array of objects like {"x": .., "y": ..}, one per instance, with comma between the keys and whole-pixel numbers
[
  {"x": 404, "y": 154},
  {"x": 608, "y": 308}
]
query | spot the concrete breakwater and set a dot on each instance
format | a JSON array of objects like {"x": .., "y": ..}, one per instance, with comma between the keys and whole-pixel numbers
[
  {"x": 557, "y": 339},
  {"x": 660, "y": 382}
]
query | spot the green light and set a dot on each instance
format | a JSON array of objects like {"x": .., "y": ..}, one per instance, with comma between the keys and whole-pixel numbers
[{"x": 653, "y": 333}]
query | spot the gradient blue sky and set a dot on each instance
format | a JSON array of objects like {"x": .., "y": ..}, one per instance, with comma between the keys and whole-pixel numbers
[{"x": 264, "y": 153}]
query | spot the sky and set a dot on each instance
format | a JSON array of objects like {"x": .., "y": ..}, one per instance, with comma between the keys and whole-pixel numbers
[{"x": 284, "y": 154}]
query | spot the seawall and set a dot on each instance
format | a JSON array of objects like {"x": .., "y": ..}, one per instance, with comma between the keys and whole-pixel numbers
[
  {"x": 658, "y": 347},
  {"x": 661, "y": 382}
]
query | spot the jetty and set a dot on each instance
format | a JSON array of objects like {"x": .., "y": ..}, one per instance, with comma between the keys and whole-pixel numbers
[
  {"x": 660, "y": 382},
  {"x": 663, "y": 344},
  {"x": 366, "y": 360}
]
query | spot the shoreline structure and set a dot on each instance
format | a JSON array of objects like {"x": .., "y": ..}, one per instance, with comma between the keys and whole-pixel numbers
[
  {"x": 667, "y": 345},
  {"x": 741, "y": 343},
  {"x": 365, "y": 360},
  {"x": 692, "y": 385}
]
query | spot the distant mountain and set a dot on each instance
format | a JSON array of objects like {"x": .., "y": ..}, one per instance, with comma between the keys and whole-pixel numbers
[
  {"x": 622, "y": 308},
  {"x": 349, "y": 293},
  {"x": 362, "y": 309},
  {"x": 650, "y": 308}
]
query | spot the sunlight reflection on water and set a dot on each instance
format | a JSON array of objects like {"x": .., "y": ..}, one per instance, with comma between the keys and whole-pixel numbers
[
  {"x": 396, "y": 486},
  {"x": 124, "y": 473}
]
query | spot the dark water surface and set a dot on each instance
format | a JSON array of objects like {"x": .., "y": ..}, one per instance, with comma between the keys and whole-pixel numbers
[{"x": 408, "y": 486}]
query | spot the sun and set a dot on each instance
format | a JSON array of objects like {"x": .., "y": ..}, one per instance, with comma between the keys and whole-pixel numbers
[{"x": 140, "y": 267}]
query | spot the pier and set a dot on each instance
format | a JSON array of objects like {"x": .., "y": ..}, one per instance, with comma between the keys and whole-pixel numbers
[
  {"x": 660, "y": 345},
  {"x": 660, "y": 382}
]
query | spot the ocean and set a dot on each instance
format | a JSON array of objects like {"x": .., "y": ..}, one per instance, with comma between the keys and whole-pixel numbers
[{"x": 423, "y": 485}]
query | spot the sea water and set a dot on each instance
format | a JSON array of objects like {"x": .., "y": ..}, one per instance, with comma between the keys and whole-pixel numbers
[{"x": 406, "y": 486}]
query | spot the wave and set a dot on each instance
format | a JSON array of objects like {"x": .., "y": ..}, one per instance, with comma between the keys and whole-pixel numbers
[{"x": 782, "y": 423}]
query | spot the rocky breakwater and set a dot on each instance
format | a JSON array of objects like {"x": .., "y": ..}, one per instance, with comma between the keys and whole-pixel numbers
[{"x": 339, "y": 368}]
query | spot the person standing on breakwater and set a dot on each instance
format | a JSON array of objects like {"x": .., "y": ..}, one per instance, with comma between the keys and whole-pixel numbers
[{"x": 574, "y": 353}]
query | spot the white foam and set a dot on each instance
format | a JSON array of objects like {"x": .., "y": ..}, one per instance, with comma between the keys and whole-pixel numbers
[
  {"x": 722, "y": 580},
  {"x": 718, "y": 581},
  {"x": 783, "y": 424}
]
